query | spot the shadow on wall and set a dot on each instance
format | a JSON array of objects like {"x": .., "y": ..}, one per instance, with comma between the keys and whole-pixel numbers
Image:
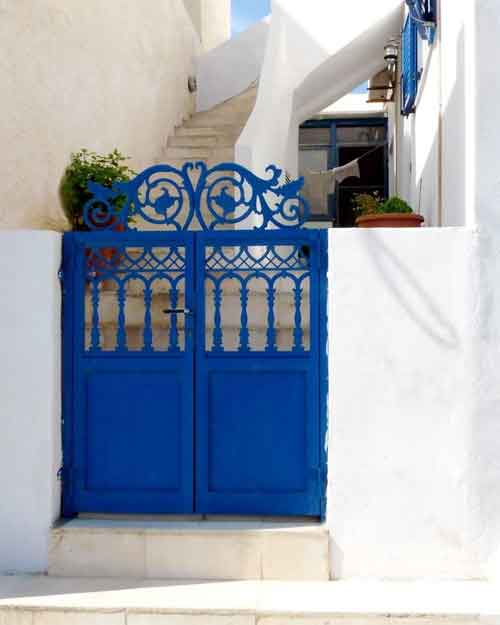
[{"x": 416, "y": 302}]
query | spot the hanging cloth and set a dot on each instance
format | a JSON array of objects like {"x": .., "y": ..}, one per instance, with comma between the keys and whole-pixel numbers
[{"x": 319, "y": 184}]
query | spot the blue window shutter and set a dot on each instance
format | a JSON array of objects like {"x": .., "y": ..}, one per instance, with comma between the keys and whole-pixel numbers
[
  {"x": 409, "y": 69},
  {"x": 424, "y": 11}
]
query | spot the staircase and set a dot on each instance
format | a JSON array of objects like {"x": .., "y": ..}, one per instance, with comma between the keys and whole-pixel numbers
[{"x": 210, "y": 136}]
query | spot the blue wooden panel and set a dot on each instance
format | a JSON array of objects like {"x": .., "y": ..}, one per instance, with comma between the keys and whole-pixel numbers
[
  {"x": 257, "y": 438},
  {"x": 258, "y": 423},
  {"x": 129, "y": 425},
  {"x": 134, "y": 436}
]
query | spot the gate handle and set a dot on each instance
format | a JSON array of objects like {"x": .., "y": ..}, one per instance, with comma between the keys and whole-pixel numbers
[{"x": 177, "y": 311}]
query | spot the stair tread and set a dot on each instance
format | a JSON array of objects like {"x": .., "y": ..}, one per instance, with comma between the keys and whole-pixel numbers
[
  {"x": 204, "y": 527},
  {"x": 354, "y": 598}
]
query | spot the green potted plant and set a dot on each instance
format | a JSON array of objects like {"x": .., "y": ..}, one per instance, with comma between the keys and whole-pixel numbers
[
  {"x": 85, "y": 167},
  {"x": 373, "y": 212}
]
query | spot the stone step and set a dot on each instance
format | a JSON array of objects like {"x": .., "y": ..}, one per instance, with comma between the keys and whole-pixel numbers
[
  {"x": 218, "y": 120},
  {"x": 198, "y": 131},
  {"x": 42, "y": 600},
  {"x": 225, "y": 550},
  {"x": 186, "y": 153},
  {"x": 223, "y": 140},
  {"x": 208, "y": 131},
  {"x": 192, "y": 142}
]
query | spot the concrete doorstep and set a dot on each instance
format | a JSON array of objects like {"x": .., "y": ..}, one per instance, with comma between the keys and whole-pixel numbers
[
  {"x": 190, "y": 551},
  {"x": 41, "y": 600}
]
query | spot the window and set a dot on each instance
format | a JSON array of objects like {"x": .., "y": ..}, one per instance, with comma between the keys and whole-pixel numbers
[
  {"x": 329, "y": 143},
  {"x": 420, "y": 26}
]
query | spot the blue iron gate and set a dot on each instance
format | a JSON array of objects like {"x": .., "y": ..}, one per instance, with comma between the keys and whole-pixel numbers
[{"x": 194, "y": 360}]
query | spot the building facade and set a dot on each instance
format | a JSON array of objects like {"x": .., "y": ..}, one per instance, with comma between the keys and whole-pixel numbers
[{"x": 410, "y": 356}]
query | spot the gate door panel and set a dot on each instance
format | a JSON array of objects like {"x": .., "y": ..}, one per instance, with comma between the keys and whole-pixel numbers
[
  {"x": 257, "y": 373},
  {"x": 131, "y": 372}
]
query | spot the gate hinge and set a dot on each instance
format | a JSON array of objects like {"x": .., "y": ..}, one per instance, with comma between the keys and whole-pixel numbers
[{"x": 66, "y": 474}]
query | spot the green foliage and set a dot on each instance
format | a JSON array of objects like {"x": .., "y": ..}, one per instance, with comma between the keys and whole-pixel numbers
[
  {"x": 372, "y": 204},
  {"x": 367, "y": 203},
  {"x": 86, "y": 166},
  {"x": 395, "y": 205}
]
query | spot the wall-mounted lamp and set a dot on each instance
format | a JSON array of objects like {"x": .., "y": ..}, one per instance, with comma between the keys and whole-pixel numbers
[
  {"x": 381, "y": 87},
  {"x": 192, "y": 84},
  {"x": 391, "y": 53}
]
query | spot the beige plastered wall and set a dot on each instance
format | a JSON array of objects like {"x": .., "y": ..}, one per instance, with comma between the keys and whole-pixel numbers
[
  {"x": 212, "y": 20},
  {"x": 93, "y": 74}
]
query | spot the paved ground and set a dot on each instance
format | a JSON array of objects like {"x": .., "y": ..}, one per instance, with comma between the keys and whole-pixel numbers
[{"x": 42, "y": 600}]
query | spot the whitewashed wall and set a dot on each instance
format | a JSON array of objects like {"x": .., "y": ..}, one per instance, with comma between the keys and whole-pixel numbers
[
  {"x": 231, "y": 67},
  {"x": 100, "y": 75},
  {"x": 212, "y": 20},
  {"x": 30, "y": 406},
  {"x": 317, "y": 52},
  {"x": 414, "y": 439},
  {"x": 401, "y": 453},
  {"x": 436, "y": 161}
]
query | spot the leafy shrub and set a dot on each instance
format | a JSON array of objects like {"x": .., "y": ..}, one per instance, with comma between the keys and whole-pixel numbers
[
  {"x": 372, "y": 204},
  {"x": 84, "y": 167},
  {"x": 395, "y": 205},
  {"x": 367, "y": 203}
]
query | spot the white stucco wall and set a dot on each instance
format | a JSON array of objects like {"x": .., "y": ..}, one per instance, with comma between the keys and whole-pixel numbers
[
  {"x": 30, "y": 403},
  {"x": 100, "y": 75},
  {"x": 317, "y": 52},
  {"x": 414, "y": 329},
  {"x": 212, "y": 20},
  {"x": 400, "y": 447},
  {"x": 436, "y": 144},
  {"x": 230, "y": 68}
]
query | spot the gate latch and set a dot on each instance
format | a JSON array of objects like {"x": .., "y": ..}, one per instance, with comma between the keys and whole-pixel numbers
[{"x": 177, "y": 311}]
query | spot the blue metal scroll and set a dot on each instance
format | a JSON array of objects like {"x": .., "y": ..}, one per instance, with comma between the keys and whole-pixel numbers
[{"x": 169, "y": 198}]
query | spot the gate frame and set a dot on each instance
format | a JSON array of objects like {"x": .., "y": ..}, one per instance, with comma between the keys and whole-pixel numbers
[{"x": 99, "y": 211}]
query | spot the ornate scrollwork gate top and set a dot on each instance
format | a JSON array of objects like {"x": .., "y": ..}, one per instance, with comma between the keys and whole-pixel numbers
[{"x": 195, "y": 196}]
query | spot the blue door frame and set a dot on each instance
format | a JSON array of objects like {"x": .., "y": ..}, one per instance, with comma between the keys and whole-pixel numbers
[{"x": 197, "y": 425}]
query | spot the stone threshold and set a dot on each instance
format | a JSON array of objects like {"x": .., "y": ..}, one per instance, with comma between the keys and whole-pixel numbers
[
  {"x": 182, "y": 525},
  {"x": 42, "y": 600},
  {"x": 216, "y": 550}
]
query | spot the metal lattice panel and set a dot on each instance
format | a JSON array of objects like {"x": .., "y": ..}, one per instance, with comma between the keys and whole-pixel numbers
[
  {"x": 127, "y": 290},
  {"x": 257, "y": 298}
]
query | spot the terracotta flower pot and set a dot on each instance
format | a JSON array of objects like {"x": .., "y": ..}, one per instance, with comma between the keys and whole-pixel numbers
[
  {"x": 390, "y": 220},
  {"x": 107, "y": 256}
]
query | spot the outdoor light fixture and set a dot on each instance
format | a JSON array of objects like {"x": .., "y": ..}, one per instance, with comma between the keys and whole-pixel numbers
[
  {"x": 381, "y": 87},
  {"x": 391, "y": 53}
]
